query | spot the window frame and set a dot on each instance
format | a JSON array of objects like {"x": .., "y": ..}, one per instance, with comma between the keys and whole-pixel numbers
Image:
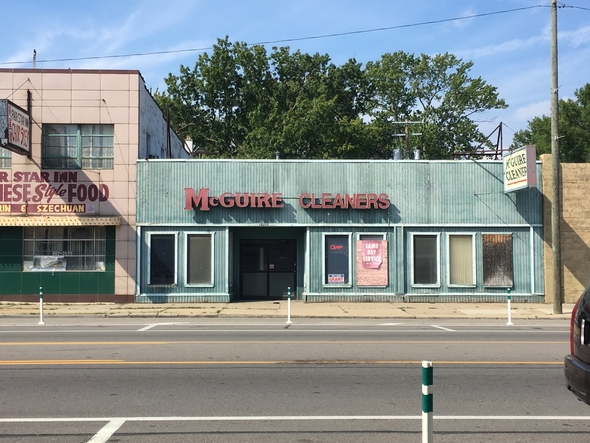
[
  {"x": 96, "y": 240},
  {"x": 80, "y": 158},
  {"x": 186, "y": 236},
  {"x": 149, "y": 236},
  {"x": 383, "y": 235},
  {"x": 413, "y": 283},
  {"x": 473, "y": 260},
  {"x": 5, "y": 158},
  {"x": 483, "y": 265},
  {"x": 350, "y": 263}
]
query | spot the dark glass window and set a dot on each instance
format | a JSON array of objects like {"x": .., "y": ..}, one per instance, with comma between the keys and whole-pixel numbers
[
  {"x": 425, "y": 259},
  {"x": 337, "y": 260},
  {"x": 162, "y": 259}
]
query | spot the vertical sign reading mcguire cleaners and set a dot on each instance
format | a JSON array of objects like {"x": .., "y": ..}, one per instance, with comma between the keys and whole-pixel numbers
[{"x": 520, "y": 169}]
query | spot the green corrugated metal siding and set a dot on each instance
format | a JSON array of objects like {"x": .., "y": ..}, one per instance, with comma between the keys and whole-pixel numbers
[
  {"x": 420, "y": 192},
  {"x": 218, "y": 293},
  {"x": 426, "y": 197}
]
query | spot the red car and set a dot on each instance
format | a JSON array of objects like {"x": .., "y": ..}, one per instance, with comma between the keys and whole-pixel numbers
[{"x": 577, "y": 364}]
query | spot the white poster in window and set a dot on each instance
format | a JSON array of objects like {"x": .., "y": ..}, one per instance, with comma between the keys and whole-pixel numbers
[
  {"x": 372, "y": 256},
  {"x": 336, "y": 279}
]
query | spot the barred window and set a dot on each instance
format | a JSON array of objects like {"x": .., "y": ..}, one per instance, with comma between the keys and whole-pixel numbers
[
  {"x": 497, "y": 260},
  {"x": 5, "y": 158},
  {"x": 64, "y": 248},
  {"x": 78, "y": 147}
]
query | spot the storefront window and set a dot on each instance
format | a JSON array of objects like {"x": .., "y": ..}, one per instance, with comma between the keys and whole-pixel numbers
[
  {"x": 497, "y": 260},
  {"x": 162, "y": 257},
  {"x": 199, "y": 266},
  {"x": 425, "y": 256},
  {"x": 64, "y": 248},
  {"x": 461, "y": 261},
  {"x": 337, "y": 259}
]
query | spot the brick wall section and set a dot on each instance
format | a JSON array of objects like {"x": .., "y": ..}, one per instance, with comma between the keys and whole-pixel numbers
[{"x": 575, "y": 228}]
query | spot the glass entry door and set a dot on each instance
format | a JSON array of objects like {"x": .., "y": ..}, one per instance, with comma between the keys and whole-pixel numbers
[{"x": 267, "y": 269}]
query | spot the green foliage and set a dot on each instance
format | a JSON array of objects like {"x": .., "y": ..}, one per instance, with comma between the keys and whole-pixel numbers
[
  {"x": 574, "y": 130},
  {"x": 245, "y": 103}
]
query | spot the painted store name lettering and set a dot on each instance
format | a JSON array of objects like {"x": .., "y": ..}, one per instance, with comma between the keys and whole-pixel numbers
[
  {"x": 344, "y": 201},
  {"x": 43, "y": 187},
  {"x": 203, "y": 201},
  {"x": 229, "y": 200}
]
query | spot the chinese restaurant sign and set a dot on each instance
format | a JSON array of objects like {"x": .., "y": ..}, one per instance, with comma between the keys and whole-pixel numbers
[{"x": 49, "y": 193}]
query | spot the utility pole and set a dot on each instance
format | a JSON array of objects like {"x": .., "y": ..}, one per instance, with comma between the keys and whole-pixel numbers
[{"x": 556, "y": 167}]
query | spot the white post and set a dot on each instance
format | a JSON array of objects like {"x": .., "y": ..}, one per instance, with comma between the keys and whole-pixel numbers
[
  {"x": 427, "y": 404},
  {"x": 509, "y": 313},
  {"x": 289, "y": 322},
  {"x": 41, "y": 322}
]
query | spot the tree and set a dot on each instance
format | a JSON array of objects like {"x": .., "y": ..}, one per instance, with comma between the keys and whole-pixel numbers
[
  {"x": 245, "y": 103},
  {"x": 436, "y": 92},
  {"x": 574, "y": 130}
]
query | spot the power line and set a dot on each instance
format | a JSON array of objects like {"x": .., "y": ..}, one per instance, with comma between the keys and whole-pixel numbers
[{"x": 297, "y": 39}]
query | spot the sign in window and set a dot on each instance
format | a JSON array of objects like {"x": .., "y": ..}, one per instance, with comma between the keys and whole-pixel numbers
[{"x": 336, "y": 260}]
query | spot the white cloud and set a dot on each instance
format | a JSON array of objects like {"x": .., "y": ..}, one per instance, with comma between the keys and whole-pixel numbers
[
  {"x": 465, "y": 21},
  {"x": 503, "y": 48},
  {"x": 532, "y": 110},
  {"x": 575, "y": 38}
]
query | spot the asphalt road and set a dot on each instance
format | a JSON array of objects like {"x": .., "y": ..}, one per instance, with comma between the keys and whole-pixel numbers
[{"x": 257, "y": 380}]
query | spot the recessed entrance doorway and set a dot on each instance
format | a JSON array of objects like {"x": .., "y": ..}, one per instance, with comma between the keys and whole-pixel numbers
[{"x": 267, "y": 269}]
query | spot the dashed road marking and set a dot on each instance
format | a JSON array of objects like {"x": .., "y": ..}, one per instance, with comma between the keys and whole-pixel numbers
[
  {"x": 107, "y": 431},
  {"x": 443, "y": 328}
]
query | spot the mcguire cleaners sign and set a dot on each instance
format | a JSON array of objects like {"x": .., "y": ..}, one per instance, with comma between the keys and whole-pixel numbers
[
  {"x": 204, "y": 201},
  {"x": 520, "y": 169}
]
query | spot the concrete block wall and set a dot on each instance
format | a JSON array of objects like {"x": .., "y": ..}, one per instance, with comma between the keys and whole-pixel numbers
[{"x": 574, "y": 228}]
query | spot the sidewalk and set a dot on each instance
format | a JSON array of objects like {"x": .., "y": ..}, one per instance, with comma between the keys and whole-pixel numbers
[{"x": 299, "y": 309}]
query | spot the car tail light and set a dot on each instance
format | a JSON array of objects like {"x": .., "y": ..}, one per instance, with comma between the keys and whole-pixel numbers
[{"x": 572, "y": 322}]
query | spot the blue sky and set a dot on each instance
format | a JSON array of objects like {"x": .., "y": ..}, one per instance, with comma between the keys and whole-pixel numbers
[{"x": 511, "y": 50}]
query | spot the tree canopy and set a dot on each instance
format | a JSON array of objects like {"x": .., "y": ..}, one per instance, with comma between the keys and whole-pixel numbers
[
  {"x": 574, "y": 130},
  {"x": 243, "y": 102}
]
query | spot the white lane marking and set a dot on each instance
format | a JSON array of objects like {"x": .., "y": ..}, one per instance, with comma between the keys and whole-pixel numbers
[
  {"x": 107, "y": 431},
  {"x": 443, "y": 328},
  {"x": 120, "y": 420},
  {"x": 389, "y": 324},
  {"x": 153, "y": 325}
]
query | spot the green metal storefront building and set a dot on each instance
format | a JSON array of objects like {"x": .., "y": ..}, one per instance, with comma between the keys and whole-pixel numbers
[{"x": 413, "y": 230}]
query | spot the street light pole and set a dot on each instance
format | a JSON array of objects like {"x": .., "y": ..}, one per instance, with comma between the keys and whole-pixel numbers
[{"x": 556, "y": 167}]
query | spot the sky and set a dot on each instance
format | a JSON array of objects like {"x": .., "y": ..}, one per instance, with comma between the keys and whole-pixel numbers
[{"x": 507, "y": 40}]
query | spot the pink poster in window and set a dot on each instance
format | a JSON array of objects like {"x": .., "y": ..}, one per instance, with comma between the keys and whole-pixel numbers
[{"x": 372, "y": 256}]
